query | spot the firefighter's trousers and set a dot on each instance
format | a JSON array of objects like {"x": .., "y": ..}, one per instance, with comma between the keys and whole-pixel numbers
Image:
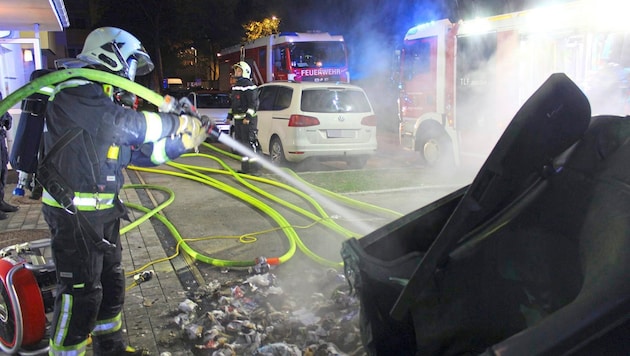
[
  {"x": 246, "y": 134},
  {"x": 90, "y": 282}
]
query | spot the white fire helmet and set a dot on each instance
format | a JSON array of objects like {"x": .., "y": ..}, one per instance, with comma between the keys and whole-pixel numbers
[
  {"x": 247, "y": 70},
  {"x": 118, "y": 51}
]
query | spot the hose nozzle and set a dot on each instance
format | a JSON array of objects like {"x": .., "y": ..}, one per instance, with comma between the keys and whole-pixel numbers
[{"x": 212, "y": 130}]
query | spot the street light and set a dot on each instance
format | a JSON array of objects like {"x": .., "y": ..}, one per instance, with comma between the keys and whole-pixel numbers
[{"x": 194, "y": 62}]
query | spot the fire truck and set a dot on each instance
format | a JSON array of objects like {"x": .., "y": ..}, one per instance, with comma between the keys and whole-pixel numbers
[
  {"x": 295, "y": 56},
  {"x": 461, "y": 83}
]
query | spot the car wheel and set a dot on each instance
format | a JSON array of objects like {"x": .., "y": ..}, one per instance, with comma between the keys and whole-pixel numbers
[
  {"x": 357, "y": 162},
  {"x": 432, "y": 150},
  {"x": 276, "y": 152},
  {"x": 435, "y": 148}
]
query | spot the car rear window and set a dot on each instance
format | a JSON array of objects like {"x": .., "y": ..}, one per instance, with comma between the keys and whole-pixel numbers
[
  {"x": 213, "y": 101},
  {"x": 334, "y": 100}
]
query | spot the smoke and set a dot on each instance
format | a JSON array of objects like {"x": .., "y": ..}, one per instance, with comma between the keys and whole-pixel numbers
[
  {"x": 492, "y": 80},
  {"x": 372, "y": 28},
  {"x": 497, "y": 73}
]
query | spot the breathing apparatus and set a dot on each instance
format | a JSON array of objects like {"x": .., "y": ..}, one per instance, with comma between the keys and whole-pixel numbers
[{"x": 26, "y": 146}]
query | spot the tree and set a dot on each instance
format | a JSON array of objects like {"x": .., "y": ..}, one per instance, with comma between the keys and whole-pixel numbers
[
  {"x": 169, "y": 28},
  {"x": 257, "y": 29}
]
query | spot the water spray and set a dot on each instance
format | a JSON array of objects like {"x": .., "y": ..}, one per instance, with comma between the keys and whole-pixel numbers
[{"x": 249, "y": 155}]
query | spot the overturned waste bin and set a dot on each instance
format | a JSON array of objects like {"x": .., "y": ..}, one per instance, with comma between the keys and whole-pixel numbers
[{"x": 532, "y": 258}]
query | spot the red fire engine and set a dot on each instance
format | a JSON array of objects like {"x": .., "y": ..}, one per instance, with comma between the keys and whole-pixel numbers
[
  {"x": 461, "y": 83},
  {"x": 316, "y": 56}
]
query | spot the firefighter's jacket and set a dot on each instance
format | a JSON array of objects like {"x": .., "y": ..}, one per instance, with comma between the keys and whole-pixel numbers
[
  {"x": 244, "y": 98},
  {"x": 117, "y": 136}
]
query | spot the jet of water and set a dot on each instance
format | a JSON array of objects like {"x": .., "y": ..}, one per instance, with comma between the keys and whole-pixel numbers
[{"x": 340, "y": 211}]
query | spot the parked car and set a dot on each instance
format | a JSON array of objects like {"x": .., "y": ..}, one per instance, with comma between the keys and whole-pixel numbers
[
  {"x": 326, "y": 121},
  {"x": 215, "y": 105}
]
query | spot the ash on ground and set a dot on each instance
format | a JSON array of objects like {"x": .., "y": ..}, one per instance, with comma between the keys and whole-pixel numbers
[{"x": 311, "y": 312}]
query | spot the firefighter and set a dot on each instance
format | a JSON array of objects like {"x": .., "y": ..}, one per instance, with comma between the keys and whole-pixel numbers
[
  {"x": 243, "y": 112},
  {"x": 88, "y": 140},
  {"x": 6, "y": 121}
]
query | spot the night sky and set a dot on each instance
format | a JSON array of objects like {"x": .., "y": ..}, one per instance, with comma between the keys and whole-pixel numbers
[{"x": 373, "y": 29}]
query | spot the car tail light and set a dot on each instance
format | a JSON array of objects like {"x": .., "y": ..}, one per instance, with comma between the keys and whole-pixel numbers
[
  {"x": 301, "y": 121},
  {"x": 369, "y": 120}
]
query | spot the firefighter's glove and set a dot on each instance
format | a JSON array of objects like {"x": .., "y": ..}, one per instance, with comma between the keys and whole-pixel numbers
[
  {"x": 247, "y": 119},
  {"x": 212, "y": 130},
  {"x": 192, "y": 131},
  {"x": 188, "y": 124}
]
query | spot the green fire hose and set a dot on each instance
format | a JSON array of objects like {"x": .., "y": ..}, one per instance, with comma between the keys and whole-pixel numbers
[
  {"x": 51, "y": 79},
  {"x": 91, "y": 74}
]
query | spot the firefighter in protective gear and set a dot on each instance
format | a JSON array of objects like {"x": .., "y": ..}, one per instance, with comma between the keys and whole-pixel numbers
[
  {"x": 243, "y": 111},
  {"x": 91, "y": 138},
  {"x": 6, "y": 121}
]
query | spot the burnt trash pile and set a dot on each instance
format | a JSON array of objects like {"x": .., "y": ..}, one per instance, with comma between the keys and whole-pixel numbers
[{"x": 258, "y": 314}]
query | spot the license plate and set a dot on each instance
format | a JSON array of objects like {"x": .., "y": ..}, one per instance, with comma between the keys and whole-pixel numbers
[{"x": 340, "y": 133}]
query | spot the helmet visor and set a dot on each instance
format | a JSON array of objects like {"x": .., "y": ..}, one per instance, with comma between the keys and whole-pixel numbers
[{"x": 145, "y": 65}]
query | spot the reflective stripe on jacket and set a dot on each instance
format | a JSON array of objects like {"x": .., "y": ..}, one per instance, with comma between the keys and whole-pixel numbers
[{"x": 84, "y": 201}]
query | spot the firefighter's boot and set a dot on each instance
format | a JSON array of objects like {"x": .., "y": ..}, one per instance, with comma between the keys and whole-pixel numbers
[
  {"x": 114, "y": 345},
  {"x": 250, "y": 165},
  {"x": 8, "y": 208},
  {"x": 254, "y": 162}
]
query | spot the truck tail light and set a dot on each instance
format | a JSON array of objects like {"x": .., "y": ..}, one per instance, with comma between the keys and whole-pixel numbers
[{"x": 302, "y": 121}]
